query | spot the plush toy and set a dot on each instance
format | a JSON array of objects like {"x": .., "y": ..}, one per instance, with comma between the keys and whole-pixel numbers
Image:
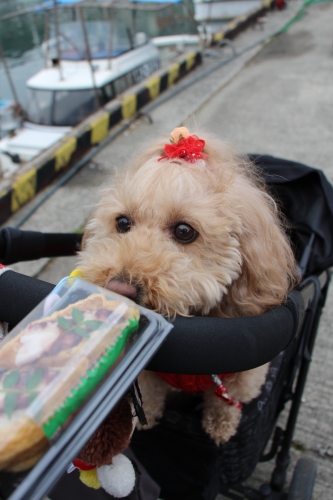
[{"x": 101, "y": 462}]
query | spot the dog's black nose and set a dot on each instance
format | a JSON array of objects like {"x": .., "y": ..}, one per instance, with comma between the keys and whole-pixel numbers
[{"x": 123, "y": 288}]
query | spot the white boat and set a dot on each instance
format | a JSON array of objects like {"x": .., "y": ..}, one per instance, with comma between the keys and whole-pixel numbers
[
  {"x": 77, "y": 80},
  {"x": 214, "y": 10},
  {"x": 69, "y": 90}
]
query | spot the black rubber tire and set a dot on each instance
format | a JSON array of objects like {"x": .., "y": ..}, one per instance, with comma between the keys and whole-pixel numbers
[{"x": 303, "y": 480}]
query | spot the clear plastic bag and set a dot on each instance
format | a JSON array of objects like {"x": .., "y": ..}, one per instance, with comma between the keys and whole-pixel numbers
[{"x": 54, "y": 360}]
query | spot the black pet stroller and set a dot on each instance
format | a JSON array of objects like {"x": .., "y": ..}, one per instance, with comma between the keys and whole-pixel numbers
[{"x": 177, "y": 453}]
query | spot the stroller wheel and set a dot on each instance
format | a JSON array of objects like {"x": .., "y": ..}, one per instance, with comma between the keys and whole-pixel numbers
[{"x": 303, "y": 480}]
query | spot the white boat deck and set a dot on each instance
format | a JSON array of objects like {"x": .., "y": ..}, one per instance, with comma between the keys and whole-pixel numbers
[{"x": 28, "y": 143}]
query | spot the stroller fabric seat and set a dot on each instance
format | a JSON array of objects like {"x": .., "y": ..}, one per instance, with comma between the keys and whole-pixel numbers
[{"x": 305, "y": 197}]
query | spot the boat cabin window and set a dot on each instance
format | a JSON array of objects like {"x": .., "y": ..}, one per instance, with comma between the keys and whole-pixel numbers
[
  {"x": 108, "y": 92},
  {"x": 62, "y": 108},
  {"x": 39, "y": 106},
  {"x": 123, "y": 83},
  {"x": 72, "y": 107}
]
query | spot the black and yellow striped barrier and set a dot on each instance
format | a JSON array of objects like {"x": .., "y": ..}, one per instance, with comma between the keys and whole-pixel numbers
[
  {"x": 238, "y": 24},
  {"x": 43, "y": 169}
]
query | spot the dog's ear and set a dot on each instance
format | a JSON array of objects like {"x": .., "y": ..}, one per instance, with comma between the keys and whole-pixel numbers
[{"x": 269, "y": 269}]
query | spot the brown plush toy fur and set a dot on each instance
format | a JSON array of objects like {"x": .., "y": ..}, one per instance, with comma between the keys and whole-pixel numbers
[{"x": 111, "y": 438}]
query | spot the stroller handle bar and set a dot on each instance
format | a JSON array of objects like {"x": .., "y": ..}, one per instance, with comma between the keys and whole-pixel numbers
[
  {"x": 196, "y": 345},
  {"x": 18, "y": 246}
]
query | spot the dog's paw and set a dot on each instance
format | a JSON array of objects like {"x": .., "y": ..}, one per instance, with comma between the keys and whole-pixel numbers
[
  {"x": 219, "y": 419},
  {"x": 154, "y": 391},
  {"x": 221, "y": 431},
  {"x": 151, "y": 423},
  {"x": 153, "y": 413}
]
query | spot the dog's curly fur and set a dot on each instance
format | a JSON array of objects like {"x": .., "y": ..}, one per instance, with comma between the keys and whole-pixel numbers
[{"x": 240, "y": 264}]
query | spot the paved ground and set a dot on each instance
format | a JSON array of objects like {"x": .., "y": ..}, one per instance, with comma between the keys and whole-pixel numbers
[{"x": 275, "y": 99}]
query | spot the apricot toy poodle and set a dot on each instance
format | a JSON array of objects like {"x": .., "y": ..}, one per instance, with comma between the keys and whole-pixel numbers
[{"x": 190, "y": 229}]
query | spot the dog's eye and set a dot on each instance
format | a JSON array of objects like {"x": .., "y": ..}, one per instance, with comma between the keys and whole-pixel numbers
[
  {"x": 184, "y": 233},
  {"x": 123, "y": 224}
]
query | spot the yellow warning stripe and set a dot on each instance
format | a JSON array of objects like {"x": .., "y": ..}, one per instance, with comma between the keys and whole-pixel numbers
[
  {"x": 128, "y": 106},
  {"x": 64, "y": 153},
  {"x": 23, "y": 189},
  {"x": 153, "y": 85},
  {"x": 173, "y": 73},
  {"x": 190, "y": 61},
  {"x": 218, "y": 36},
  {"x": 99, "y": 128}
]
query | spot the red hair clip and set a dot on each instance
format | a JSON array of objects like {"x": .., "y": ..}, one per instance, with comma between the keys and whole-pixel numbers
[{"x": 185, "y": 146}]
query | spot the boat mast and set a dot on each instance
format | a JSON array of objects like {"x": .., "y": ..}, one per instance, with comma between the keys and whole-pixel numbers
[
  {"x": 57, "y": 37},
  {"x": 86, "y": 41},
  {"x": 112, "y": 18},
  {"x": 46, "y": 37},
  {"x": 133, "y": 24},
  {"x": 9, "y": 76}
]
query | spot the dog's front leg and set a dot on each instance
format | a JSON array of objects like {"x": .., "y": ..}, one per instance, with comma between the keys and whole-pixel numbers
[
  {"x": 154, "y": 391},
  {"x": 245, "y": 386},
  {"x": 219, "y": 419}
]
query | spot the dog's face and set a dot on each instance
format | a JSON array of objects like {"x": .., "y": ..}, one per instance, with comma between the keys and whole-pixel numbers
[{"x": 169, "y": 235}]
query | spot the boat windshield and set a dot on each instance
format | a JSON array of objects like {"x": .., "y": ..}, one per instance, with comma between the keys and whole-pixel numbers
[
  {"x": 71, "y": 107},
  {"x": 60, "y": 108},
  {"x": 39, "y": 106},
  {"x": 73, "y": 46}
]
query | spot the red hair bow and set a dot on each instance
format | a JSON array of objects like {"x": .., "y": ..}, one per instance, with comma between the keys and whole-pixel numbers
[{"x": 187, "y": 148}]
